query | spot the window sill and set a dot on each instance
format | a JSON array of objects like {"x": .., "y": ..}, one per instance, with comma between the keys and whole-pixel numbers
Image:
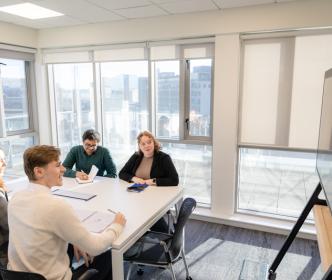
[{"x": 267, "y": 224}]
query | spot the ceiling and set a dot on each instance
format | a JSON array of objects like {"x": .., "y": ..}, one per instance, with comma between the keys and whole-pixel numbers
[{"x": 78, "y": 12}]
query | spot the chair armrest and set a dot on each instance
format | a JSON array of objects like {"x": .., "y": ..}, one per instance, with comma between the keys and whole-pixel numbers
[
  {"x": 161, "y": 233},
  {"x": 149, "y": 240},
  {"x": 88, "y": 274}
]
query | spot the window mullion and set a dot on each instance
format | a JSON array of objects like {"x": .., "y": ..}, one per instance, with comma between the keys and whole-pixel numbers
[
  {"x": 2, "y": 111},
  {"x": 98, "y": 98},
  {"x": 152, "y": 97},
  {"x": 28, "y": 86},
  {"x": 183, "y": 132},
  {"x": 53, "y": 105}
]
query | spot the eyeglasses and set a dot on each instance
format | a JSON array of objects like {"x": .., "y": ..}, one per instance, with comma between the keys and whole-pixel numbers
[{"x": 90, "y": 146}]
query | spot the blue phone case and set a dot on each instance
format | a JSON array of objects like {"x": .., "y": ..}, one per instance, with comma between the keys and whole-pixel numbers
[{"x": 137, "y": 187}]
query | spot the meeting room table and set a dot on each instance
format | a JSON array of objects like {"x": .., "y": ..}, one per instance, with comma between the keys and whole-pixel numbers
[{"x": 141, "y": 209}]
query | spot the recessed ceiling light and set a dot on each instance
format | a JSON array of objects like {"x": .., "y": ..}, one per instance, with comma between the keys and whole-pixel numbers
[{"x": 29, "y": 10}]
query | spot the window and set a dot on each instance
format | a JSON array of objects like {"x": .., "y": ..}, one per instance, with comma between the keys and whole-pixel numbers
[
  {"x": 282, "y": 86},
  {"x": 275, "y": 181},
  {"x": 15, "y": 95},
  {"x": 193, "y": 163},
  {"x": 199, "y": 119},
  {"x": 165, "y": 89},
  {"x": 14, "y": 148},
  {"x": 167, "y": 83},
  {"x": 125, "y": 106},
  {"x": 16, "y": 122},
  {"x": 182, "y": 79},
  {"x": 74, "y": 102}
]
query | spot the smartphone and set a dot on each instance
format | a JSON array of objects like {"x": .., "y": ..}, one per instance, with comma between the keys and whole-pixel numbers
[{"x": 137, "y": 187}]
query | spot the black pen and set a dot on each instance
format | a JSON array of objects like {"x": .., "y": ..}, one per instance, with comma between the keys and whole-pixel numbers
[{"x": 112, "y": 211}]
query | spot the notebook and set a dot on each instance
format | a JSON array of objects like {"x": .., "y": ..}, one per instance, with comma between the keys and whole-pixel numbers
[
  {"x": 71, "y": 194},
  {"x": 92, "y": 175}
]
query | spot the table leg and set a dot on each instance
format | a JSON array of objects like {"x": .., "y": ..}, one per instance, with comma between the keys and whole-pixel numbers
[{"x": 117, "y": 265}]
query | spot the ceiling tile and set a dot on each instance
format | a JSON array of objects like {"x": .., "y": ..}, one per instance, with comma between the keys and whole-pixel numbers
[
  {"x": 279, "y": 1},
  {"x": 10, "y": 2},
  {"x": 141, "y": 12},
  {"x": 166, "y": 1},
  {"x": 116, "y": 4},
  {"x": 90, "y": 11},
  {"x": 57, "y": 22},
  {"x": 79, "y": 9},
  {"x": 224, "y": 4},
  {"x": 189, "y": 6}
]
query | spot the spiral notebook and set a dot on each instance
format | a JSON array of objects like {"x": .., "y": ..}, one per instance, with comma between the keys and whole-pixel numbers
[{"x": 92, "y": 174}]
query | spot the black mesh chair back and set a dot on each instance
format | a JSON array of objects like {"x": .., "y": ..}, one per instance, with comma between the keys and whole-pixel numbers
[
  {"x": 187, "y": 207},
  {"x": 18, "y": 275}
]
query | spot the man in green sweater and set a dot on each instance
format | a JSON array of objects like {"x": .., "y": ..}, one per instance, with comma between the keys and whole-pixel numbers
[{"x": 88, "y": 154}]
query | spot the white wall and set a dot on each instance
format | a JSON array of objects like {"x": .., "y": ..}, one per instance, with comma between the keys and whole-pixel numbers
[{"x": 18, "y": 35}]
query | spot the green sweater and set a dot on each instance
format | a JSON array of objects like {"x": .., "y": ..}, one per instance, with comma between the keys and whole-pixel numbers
[{"x": 78, "y": 157}]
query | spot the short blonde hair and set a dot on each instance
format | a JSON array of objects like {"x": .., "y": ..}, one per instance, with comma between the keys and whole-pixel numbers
[
  {"x": 157, "y": 146},
  {"x": 39, "y": 156}
]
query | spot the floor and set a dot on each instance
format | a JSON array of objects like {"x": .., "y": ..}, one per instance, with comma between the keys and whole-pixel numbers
[{"x": 217, "y": 252}]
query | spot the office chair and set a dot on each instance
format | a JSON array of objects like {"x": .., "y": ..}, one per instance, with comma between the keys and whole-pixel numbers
[
  {"x": 18, "y": 275},
  {"x": 160, "y": 249}
]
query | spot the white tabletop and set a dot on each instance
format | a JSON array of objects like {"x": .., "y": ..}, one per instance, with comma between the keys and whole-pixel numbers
[
  {"x": 141, "y": 209},
  {"x": 138, "y": 208}
]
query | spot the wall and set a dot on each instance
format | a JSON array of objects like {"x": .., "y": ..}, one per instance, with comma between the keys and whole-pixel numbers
[
  {"x": 285, "y": 15},
  {"x": 18, "y": 35}
]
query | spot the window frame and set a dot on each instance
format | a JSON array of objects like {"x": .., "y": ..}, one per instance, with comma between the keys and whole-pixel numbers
[
  {"x": 26, "y": 55},
  {"x": 29, "y": 82},
  {"x": 187, "y": 136},
  {"x": 184, "y": 104}
]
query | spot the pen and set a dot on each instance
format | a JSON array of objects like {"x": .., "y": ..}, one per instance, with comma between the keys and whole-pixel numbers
[{"x": 112, "y": 211}]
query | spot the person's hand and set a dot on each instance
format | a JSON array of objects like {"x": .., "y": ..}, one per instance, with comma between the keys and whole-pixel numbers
[
  {"x": 78, "y": 253},
  {"x": 120, "y": 219},
  {"x": 150, "y": 182},
  {"x": 137, "y": 180},
  {"x": 82, "y": 175},
  {"x": 2, "y": 185}
]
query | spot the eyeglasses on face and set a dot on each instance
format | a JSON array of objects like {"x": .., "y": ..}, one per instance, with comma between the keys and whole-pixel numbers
[{"x": 90, "y": 146}]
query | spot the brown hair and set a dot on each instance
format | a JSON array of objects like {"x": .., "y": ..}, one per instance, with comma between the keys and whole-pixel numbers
[
  {"x": 39, "y": 156},
  {"x": 91, "y": 134},
  {"x": 157, "y": 146}
]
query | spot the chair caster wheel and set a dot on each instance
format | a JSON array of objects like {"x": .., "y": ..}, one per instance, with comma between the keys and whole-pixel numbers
[
  {"x": 189, "y": 278},
  {"x": 140, "y": 272}
]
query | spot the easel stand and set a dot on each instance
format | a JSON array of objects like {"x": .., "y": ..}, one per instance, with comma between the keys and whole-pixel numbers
[{"x": 314, "y": 200}]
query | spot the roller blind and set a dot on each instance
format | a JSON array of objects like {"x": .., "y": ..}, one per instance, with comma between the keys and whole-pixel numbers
[
  {"x": 281, "y": 89},
  {"x": 171, "y": 52}
]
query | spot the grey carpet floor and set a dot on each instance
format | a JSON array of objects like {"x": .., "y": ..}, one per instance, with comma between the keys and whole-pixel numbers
[{"x": 217, "y": 252}]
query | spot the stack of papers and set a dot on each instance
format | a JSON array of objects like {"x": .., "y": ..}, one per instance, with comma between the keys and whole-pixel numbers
[{"x": 95, "y": 221}]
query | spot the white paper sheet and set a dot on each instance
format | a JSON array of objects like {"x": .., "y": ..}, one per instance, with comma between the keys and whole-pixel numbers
[{"x": 95, "y": 221}]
